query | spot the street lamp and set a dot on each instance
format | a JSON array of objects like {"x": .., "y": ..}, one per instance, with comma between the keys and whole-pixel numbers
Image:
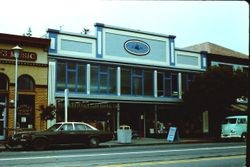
[{"x": 16, "y": 52}]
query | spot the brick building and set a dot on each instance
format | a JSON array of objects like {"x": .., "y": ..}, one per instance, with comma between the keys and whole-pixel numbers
[{"x": 32, "y": 83}]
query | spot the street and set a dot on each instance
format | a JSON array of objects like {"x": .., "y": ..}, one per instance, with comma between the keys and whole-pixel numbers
[{"x": 170, "y": 155}]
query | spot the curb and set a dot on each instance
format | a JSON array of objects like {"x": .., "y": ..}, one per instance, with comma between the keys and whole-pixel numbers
[
  {"x": 157, "y": 143},
  {"x": 116, "y": 144},
  {"x": 2, "y": 146}
]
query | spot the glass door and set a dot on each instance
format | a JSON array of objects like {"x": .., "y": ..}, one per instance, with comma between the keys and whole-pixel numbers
[{"x": 2, "y": 119}]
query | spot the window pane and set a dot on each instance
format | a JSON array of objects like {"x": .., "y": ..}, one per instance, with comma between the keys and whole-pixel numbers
[
  {"x": 81, "y": 78},
  {"x": 112, "y": 82},
  {"x": 103, "y": 69},
  {"x": 167, "y": 87},
  {"x": 72, "y": 81},
  {"x": 94, "y": 79},
  {"x": 160, "y": 84},
  {"x": 60, "y": 80},
  {"x": 3, "y": 83},
  {"x": 174, "y": 85},
  {"x": 125, "y": 81},
  {"x": 137, "y": 72},
  {"x": 25, "y": 82},
  {"x": 103, "y": 83},
  {"x": 148, "y": 83},
  {"x": 71, "y": 65},
  {"x": 168, "y": 75},
  {"x": 137, "y": 86}
]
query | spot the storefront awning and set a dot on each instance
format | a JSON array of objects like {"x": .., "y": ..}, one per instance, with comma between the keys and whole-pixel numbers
[{"x": 239, "y": 107}]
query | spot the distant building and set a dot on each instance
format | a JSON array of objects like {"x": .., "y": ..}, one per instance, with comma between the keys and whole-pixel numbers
[
  {"x": 120, "y": 76},
  {"x": 32, "y": 83},
  {"x": 221, "y": 56}
]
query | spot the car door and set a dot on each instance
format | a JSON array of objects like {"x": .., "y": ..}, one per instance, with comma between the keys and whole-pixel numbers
[
  {"x": 83, "y": 133},
  {"x": 64, "y": 134}
]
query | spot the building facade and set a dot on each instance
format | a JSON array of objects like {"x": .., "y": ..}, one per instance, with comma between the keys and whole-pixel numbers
[
  {"x": 120, "y": 76},
  {"x": 32, "y": 83}
]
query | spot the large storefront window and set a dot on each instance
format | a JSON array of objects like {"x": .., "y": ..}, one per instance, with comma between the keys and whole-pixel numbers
[
  {"x": 186, "y": 80},
  {"x": 137, "y": 82},
  {"x": 167, "y": 84},
  {"x": 148, "y": 83},
  {"x": 103, "y": 79},
  {"x": 26, "y": 102},
  {"x": 61, "y": 77},
  {"x": 72, "y": 76},
  {"x": 125, "y": 81},
  {"x": 26, "y": 111},
  {"x": 174, "y": 84}
]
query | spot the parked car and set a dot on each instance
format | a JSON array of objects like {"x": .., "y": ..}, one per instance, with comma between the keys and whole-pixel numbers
[
  {"x": 234, "y": 127},
  {"x": 60, "y": 134}
]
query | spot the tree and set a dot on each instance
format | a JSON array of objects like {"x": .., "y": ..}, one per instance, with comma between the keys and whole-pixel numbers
[
  {"x": 48, "y": 113},
  {"x": 215, "y": 90}
]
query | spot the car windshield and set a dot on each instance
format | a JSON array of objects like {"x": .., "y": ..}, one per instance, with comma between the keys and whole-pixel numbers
[
  {"x": 54, "y": 127},
  {"x": 229, "y": 121}
]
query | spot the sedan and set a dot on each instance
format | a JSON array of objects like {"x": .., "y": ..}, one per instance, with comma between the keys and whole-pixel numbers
[{"x": 60, "y": 134}]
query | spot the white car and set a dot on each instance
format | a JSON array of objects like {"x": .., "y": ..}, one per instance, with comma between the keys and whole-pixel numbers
[{"x": 234, "y": 127}]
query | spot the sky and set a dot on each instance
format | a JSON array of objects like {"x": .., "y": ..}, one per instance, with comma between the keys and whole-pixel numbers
[{"x": 225, "y": 23}]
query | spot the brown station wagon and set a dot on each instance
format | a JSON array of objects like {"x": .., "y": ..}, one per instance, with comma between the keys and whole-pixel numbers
[{"x": 60, "y": 134}]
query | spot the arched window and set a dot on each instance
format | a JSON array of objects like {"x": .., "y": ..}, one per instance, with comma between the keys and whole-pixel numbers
[
  {"x": 4, "y": 82},
  {"x": 26, "y": 83}
]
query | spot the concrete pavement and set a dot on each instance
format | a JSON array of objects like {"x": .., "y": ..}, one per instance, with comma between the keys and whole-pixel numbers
[
  {"x": 155, "y": 141},
  {"x": 143, "y": 141}
]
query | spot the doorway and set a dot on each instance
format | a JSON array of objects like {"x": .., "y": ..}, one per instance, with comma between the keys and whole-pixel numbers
[{"x": 2, "y": 117}]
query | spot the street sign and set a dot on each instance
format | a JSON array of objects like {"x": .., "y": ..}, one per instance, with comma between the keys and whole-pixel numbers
[{"x": 171, "y": 134}]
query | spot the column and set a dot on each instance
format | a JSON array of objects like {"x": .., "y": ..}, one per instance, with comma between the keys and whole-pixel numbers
[
  {"x": 179, "y": 85},
  {"x": 155, "y": 84},
  {"x": 118, "y": 81},
  {"x": 88, "y": 79}
]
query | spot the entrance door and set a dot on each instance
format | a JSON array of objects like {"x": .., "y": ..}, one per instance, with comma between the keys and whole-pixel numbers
[{"x": 2, "y": 119}]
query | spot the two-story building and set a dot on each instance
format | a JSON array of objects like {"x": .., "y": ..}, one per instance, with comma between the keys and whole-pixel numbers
[
  {"x": 120, "y": 76},
  {"x": 32, "y": 73}
]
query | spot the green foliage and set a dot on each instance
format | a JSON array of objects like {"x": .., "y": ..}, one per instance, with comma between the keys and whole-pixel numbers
[
  {"x": 215, "y": 89},
  {"x": 48, "y": 113}
]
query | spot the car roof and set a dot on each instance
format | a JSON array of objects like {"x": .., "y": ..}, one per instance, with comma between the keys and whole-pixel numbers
[
  {"x": 77, "y": 123},
  {"x": 71, "y": 122},
  {"x": 237, "y": 116}
]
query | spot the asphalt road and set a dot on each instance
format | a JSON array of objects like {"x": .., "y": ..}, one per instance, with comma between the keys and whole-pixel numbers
[{"x": 173, "y": 155}]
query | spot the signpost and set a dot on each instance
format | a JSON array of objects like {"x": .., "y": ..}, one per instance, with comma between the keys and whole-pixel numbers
[{"x": 66, "y": 101}]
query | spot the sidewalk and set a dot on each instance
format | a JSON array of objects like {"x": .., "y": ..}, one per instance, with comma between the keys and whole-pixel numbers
[
  {"x": 154, "y": 141},
  {"x": 145, "y": 141}
]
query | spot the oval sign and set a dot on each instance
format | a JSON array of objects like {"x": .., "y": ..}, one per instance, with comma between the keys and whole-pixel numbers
[{"x": 137, "y": 47}]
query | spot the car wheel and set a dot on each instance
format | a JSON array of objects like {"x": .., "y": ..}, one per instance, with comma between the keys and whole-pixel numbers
[
  {"x": 39, "y": 144},
  {"x": 94, "y": 142}
]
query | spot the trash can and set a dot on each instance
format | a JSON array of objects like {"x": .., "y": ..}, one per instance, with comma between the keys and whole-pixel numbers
[{"x": 124, "y": 134}]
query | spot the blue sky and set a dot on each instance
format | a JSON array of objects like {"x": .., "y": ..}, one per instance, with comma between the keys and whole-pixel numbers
[{"x": 225, "y": 23}]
